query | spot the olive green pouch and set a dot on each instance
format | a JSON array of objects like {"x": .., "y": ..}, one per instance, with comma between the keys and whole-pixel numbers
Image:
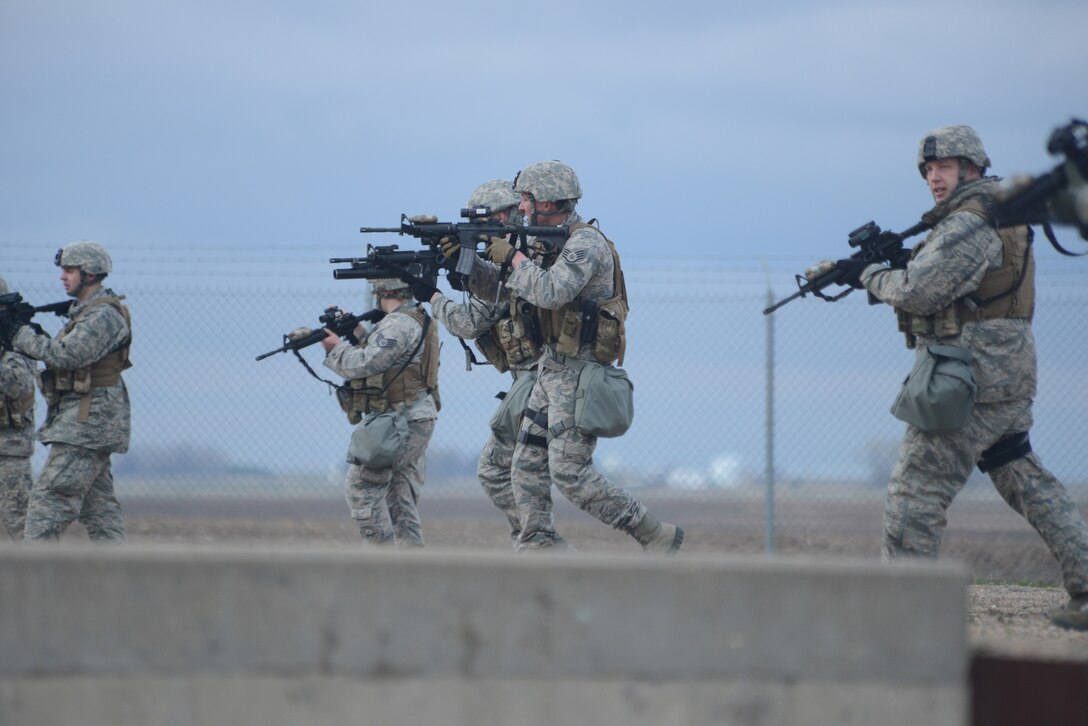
[
  {"x": 507, "y": 419},
  {"x": 380, "y": 440},
  {"x": 604, "y": 401},
  {"x": 939, "y": 393}
]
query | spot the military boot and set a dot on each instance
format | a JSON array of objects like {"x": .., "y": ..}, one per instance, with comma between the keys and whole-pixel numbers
[
  {"x": 659, "y": 538},
  {"x": 1073, "y": 615}
]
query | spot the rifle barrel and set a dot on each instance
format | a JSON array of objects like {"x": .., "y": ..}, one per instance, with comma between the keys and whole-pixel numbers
[
  {"x": 60, "y": 308},
  {"x": 780, "y": 303},
  {"x": 372, "y": 273}
]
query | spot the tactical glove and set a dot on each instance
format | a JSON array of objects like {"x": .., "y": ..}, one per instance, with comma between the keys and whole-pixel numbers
[
  {"x": 852, "y": 269},
  {"x": 423, "y": 219},
  {"x": 422, "y": 290},
  {"x": 456, "y": 280},
  {"x": 900, "y": 259},
  {"x": 451, "y": 248},
  {"x": 499, "y": 250},
  {"x": 13, "y": 322}
]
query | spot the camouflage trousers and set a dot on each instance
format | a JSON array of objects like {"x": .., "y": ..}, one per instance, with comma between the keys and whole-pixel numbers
[
  {"x": 383, "y": 501},
  {"x": 15, "y": 483},
  {"x": 75, "y": 483},
  {"x": 934, "y": 467},
  {"x": 493, "y": 473},
  {"x": 567, "y": 462}
]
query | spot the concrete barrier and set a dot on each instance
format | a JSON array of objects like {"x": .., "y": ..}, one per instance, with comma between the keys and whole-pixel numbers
[{"x": 207, "y": 636}]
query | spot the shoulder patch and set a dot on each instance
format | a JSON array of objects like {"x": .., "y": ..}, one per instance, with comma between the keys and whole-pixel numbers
[
  {"x": 574, "y": 256},
  {"x": 383, "y": 342}
]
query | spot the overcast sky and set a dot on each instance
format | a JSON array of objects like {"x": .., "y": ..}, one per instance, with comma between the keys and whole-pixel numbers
[{"x": 698, "y": 128}]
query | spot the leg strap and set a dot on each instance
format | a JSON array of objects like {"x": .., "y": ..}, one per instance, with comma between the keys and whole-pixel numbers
[
  {"x": 540, "y": 419},
  {"x": 1004, "y": 451},
  {"x": 529, "y": 439}
]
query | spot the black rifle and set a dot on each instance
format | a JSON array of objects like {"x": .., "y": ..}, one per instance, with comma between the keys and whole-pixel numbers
[
  {"x": 13, "y": 308},
  {"x": 873, "y": 245},
  {"x": 387, "y": 261},
  {"x": 1030, "y": 204},
  {"x": 468, "y": 234},
  {"x": 341, "y": 324}
]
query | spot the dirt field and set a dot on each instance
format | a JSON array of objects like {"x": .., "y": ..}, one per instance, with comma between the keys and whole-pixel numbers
[{"x": 1016, "y": 581}]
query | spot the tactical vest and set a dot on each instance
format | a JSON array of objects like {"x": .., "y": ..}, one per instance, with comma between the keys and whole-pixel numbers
[
  {"x": 587, "y": 322},
  {"x": 15, "y": 413},
  {"x": 382, "y": 391},
  {"x": 1008, "y": 292},
  {"x": 516, "y": 338},
  {"x": 55, "y": 382}
]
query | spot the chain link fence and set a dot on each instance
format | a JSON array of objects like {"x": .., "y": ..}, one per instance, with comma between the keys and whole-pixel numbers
[{"x": 752, "y": 431}]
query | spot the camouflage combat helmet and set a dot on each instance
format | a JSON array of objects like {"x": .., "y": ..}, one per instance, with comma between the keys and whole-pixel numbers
[
  {"x": 3, "y": 286},
  {"x": 949, "y": 142},
  {"x": 388, "y": 284},
  {"x": 548, "y": 181},
  {"x": 90, "y": 257},
  {"x": 498, "y": 194}
]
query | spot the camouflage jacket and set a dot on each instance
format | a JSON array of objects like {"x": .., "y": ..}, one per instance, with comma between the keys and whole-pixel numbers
[
  {"x": 16, "y": 384},
  {"x": 472, "y": 319},
  {"x": 583, "y": 269},
  {"x": 960, "y": 249},
  {"x": 100, "y": 331},
  {"x": 388, "y": 345}
]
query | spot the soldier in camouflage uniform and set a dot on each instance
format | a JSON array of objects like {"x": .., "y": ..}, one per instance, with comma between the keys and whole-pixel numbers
[
  {"x": 16, "y": 432},
  {"x": 970, "y": 286},
  {"x": 395, "y": 367},
  {"x": 88, "y": 414},
  {"x": 505, "y": 340},
  {"x": 580, "y": 267}
]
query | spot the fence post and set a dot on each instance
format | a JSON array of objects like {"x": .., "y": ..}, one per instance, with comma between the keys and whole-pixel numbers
[{"x": 768, "y": 523}]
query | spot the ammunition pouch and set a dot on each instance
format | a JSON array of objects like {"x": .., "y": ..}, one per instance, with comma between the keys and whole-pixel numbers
[
  {"x": 599, "y": 324},
  {"x": 514, "y": 339},
  {"x": 610, "y": 342},
  {"x": 492, "y": 352},
  {"x": 48, "y": 388},
  {"x": 16, "y": 413},
  {"x": 56, "y": 383},
  {"x": 357, "y": 398},
  {"x": 568, "y": 339}
]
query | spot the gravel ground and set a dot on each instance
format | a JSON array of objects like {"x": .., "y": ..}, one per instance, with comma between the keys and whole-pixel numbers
[{"x": 1005, "y": 616}]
